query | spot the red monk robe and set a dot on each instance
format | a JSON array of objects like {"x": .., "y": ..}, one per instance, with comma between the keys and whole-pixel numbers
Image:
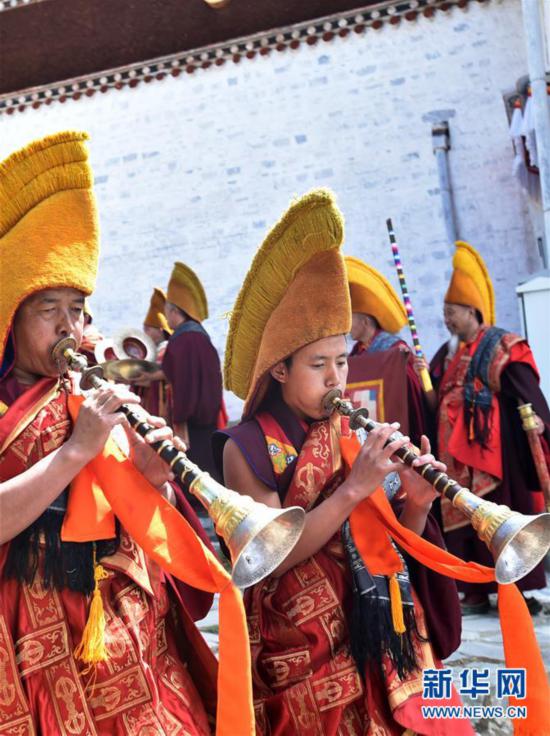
[
  {"x": 416, "y": 404},
  {"x": 160, "y": 675},
  {"x": 305, "y": 678},
  {"x": 503, "y": 471}
]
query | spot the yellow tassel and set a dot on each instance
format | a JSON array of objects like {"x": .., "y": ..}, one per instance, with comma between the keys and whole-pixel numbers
[
  {"x": 92, "y": 649},
  {"x": 396, "y": 606}
]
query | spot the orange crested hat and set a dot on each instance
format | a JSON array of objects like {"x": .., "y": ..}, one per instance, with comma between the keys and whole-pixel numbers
[
  {"x": 155, "y": 316},
  {"x": 295, "y": 293},
  {"x": 371, "y": 293},
  {"x": 186, "y": 292},
  {"x": 470, "y": 282},
  {"x": 48, "y": 222}
]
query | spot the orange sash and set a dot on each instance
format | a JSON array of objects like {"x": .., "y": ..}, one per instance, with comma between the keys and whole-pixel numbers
[
  {"x": 373, "y": 519},
  {"x": 168, "y": 539}
]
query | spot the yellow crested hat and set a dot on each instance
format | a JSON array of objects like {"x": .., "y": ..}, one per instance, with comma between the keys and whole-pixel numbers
[
  {"x": 371, "y": 293},
  {"x": 295, "y": 293},
  {"x": 155, "y": 316},
  {"x": 48, "y": 222},
  {"x": 470, "y": 283},
  {"x": 186, "y": 292}
]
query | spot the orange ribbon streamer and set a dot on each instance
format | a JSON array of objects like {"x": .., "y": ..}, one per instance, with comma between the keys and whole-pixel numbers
[
  {"x": 166, "y": 537},
  {"x": 374, "y": 516}
]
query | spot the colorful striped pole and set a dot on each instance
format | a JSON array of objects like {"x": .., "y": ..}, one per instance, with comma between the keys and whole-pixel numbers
[{"x": 424, "y": 373}]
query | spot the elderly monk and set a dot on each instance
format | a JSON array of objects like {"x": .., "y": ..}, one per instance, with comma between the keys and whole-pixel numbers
[
  {"x": 96, "y": 631},
  {"x": 480, "y": 376}
]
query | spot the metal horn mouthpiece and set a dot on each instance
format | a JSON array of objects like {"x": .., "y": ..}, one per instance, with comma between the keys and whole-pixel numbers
[
  {"x": 259, "y": 538},
  {"x": 517, "y": 542}
]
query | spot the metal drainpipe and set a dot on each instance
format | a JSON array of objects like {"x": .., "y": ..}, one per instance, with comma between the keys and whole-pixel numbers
[
  {"x": 532, "y": 24},
  {"x": 441, "y": 144}
]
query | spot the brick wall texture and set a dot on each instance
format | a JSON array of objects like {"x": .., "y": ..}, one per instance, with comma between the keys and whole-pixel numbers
[{"x": 198, "y": 168}]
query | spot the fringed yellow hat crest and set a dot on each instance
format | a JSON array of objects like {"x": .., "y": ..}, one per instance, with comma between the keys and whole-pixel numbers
[
  {"x": 186, "y": 292},
  {"x": 295, "y": 292},
  {"x": 470, "y": 283},
  {"x": 155, "y": 316},
  {"x": 371, "y": 293},
  {"x": 48, "y": 222}
]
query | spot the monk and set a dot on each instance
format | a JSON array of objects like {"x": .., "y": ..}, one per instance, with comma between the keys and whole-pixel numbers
[
  {"x": 480, "y": 376},
  {"x": 377, "y": 317},
  {"x": 338, "y": 640},
  {"x": 95, "y": 637},
  {"x": 151, "y": 387},
  {"x": 192, "y": 366}
]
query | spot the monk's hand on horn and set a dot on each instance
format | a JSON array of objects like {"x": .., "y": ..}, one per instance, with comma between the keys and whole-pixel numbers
[
  {"x": 420, "y": 364},
  {"x": 419, "y": 492},
  {"x": 374, "y": 462},
  {"x": 145, "y": 458},
  {"x": 98, "y": 415}
]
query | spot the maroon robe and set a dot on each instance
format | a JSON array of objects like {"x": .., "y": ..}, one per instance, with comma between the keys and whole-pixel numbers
[
  {"x": 159, "y": 673},
  {"x": 416, "y": 403},
  {"x": 197, "y": 602},
  {"x": 299, "y": 641},
  {"x": 518, "y": 381},
  {"x": 192, "y": 368}
]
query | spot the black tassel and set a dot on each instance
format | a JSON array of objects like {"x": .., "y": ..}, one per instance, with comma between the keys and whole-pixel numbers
[
  {"x": 373, "y": 636},
  {"x": 372, "y": 633},
  {"x": 66, "y": 564}
]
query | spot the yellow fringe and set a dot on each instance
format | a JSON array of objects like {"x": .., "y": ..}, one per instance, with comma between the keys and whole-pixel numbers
[
  {"x": 41, "y": 170},
  {"x": 396, "y": 605},
  {"x": 92, "y": 649},
  {"x": 313, "y": 224},
  {"x": 42, "y": 144}
]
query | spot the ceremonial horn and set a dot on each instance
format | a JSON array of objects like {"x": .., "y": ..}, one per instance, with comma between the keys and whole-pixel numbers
[
  {"x": 133, "y": 343},
  {"x": 259, "y": 538},
  {"x": 516, "y": 541}
]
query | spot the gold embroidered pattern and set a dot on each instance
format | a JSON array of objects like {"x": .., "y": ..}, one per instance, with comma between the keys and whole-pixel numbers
[
  {"x": 303, "y": 708},
  {"x": 44, "y": 606},
  {"x": 338, "y": 689},
  {"x": 67, "y": 697},
  {"x": 310, "y": 602},
  {"x": 119, "y": 693},
  {"x": 14, "y": 710},
  {"x": 286, "y": 668},
  {"x": 42, "y": 648}
]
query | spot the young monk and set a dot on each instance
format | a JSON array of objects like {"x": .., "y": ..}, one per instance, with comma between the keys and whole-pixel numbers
[{"x": 338, "y": 641}]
